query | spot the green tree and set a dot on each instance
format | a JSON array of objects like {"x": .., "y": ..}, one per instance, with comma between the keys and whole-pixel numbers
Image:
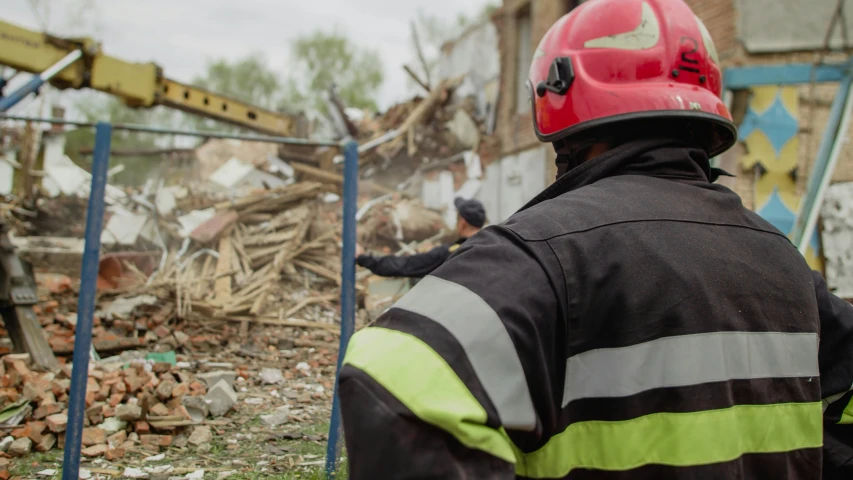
[
  {"x": 247, "y": 79},
  {"x": 327, "y": 58}
]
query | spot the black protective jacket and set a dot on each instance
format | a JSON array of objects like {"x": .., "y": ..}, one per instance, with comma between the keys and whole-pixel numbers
[
  {"x": 416, "y": 266},
  {"x": 634, "y": 321}
]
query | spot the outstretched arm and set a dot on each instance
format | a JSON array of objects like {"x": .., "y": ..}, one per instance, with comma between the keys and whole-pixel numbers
[{"x": 417, "y": 265}]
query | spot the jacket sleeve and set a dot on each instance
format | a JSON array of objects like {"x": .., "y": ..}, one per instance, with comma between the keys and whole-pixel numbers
[
  {"x": 443, "y": 384},
  {"x": 417, "y": 265},
  {"x": 836, "y": 372}
]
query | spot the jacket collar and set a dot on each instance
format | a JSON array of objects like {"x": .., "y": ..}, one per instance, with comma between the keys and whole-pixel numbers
[{"x": 659, "y": 158}]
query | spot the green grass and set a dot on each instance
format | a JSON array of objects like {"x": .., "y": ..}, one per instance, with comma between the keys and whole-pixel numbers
[
  {"x": 247, "y": 451},
  {"x": 35, "y": 462}
]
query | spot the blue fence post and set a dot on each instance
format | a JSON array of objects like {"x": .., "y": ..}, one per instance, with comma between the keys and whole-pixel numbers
[
  {"x": 86, "y": 303},
  {"x": 347, "y": 294}
]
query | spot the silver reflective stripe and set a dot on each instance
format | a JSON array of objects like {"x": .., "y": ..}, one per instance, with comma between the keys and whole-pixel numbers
[
  {"x": 482, "y": 335},
  {"x": 689, "y": 360},
  {"x": 834, "y": 398}
]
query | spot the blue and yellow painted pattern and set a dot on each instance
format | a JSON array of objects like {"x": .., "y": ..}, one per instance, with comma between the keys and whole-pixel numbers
[{"x": 770, "y": 132}]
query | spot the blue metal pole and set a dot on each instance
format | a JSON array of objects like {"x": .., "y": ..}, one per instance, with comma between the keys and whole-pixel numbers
[
  {"x": 38, "y": 80},
  {"x": 86, "y": 303},
  {"x": 347, "y": 294},
  {"x": 13, "y": 98},
  {"x": 823, "y": 166}
]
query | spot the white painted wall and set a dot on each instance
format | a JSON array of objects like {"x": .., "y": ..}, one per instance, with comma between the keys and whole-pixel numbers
[
  {"x": 513, "y": 181},
  {"x": 837, "y": 238}
]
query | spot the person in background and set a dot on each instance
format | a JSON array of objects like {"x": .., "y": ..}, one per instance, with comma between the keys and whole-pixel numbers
[{"x": 471, "y": 218}]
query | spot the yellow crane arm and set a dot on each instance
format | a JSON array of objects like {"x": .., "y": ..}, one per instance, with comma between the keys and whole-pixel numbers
[{"x": 136, "y": 84}]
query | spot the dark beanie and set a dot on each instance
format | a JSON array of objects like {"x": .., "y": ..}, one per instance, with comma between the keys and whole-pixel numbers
[{"x": 472, "y": 211}]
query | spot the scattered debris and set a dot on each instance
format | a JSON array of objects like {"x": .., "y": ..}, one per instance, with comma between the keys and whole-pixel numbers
[
  {"x": 279, "y": 417},
  {"x": 200, "y": 436},
  {"x": 217, "y": 299},
  {"x": 271, "y": 376}
]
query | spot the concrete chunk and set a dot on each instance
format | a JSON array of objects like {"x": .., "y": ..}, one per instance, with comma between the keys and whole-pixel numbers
[
  {"x": 196, "y": 407},
  {"x": 201, "y": 436},
  {"x": 6, "y": 443},
  {"x": 20, "y": 447},
  {"x": 276, "y": 418},
  {"x": 212, "y": 378},
  {"x": 271, "y": 376},
  {"x": 112, "y": 425},
  {"x": 220, "y": 398}
]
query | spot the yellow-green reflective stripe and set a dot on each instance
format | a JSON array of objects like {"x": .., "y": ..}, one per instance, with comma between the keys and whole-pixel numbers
[
  {"x": 847, "y": 414},
  {"x": 423, "y": 381},
  {"x": 677, "y": 439}
]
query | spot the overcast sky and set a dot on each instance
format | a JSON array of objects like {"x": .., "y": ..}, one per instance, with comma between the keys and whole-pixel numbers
[{"x": 181, "y": 35}]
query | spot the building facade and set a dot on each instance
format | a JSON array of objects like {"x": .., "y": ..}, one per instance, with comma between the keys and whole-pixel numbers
[{"x": 781, "y": 125}]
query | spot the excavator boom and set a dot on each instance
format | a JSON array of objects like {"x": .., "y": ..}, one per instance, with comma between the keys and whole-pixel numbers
[{"x": 139, "y": 85}]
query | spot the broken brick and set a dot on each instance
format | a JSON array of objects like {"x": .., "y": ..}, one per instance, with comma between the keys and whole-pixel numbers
[
  {"x": 103, "y": 393},
  {"x": 117, "y": 438},
  {"x": 114, "y": 453},
  {"x": 57, "y": 422},
  {"x": 95, "y": 409},
  {"x": 129, "y": 413},
  {"x": 135, "y": 383},
  {"x": 141, "y": 427},
  {"x": 94, "y": 451},
  {"x": 46, "y": 410},
  {"x": 8, "y": 395},
  {"x": 94, "y": 436},
  {"x": 156, "y": 440},
  {"x": 162, "y": 367},
  {"x": 118, "y": 387},
  {"x": 159, "y": 410},
  {"x": 116, "y": 399},
  {"x": 164, "y": 390},
  {"x": 17, "y": 372},
  {"x": 180, "y": 390},
  {"x": 46, "y": 443},
  {"x": 37, "y": 390},
  {"x": 162, "y": 331}
]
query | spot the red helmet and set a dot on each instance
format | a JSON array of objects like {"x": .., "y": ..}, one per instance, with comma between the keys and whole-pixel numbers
[{"x": 612, "y": 61}]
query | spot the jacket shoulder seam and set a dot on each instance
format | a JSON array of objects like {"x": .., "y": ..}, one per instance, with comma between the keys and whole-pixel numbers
[{"x": 621, "y": 222}]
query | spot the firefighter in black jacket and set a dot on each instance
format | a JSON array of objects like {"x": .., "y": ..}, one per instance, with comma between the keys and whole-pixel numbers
[
  {"x": 634, "y": 320},
  {"x": 470, "y": 219}
]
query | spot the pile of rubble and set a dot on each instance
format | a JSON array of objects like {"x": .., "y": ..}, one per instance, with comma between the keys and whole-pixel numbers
[
  {"x": 140, "y": 404},
  {"x": 217, "y": 298}
]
